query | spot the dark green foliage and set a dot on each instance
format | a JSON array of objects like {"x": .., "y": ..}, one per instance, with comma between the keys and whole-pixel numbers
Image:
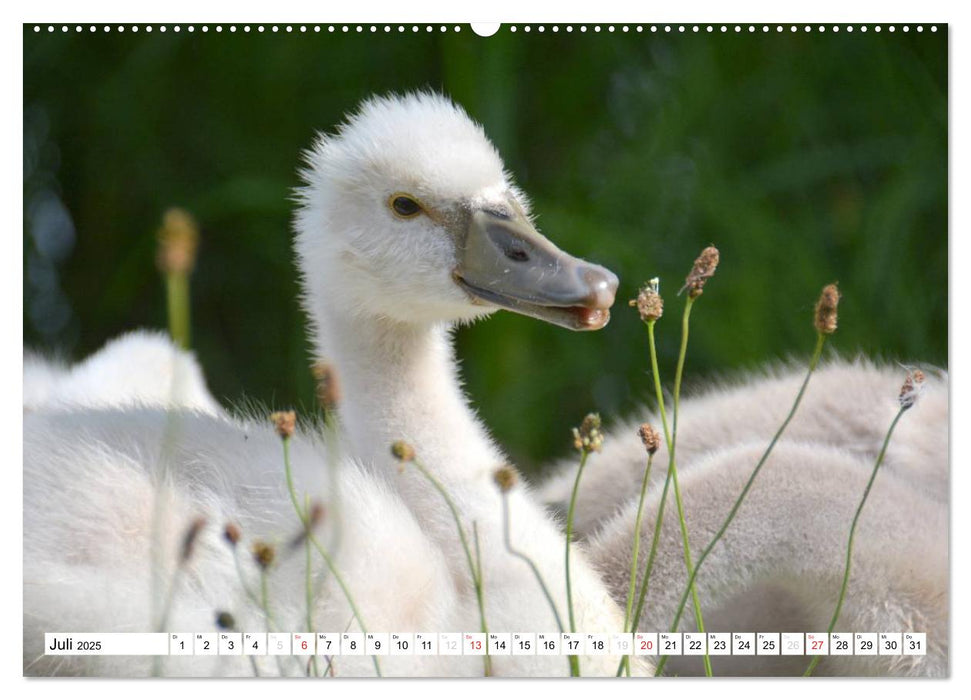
[{"x": 806, "y": 158}]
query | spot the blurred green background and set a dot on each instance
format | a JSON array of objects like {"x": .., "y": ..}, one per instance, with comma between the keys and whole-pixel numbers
[{"x": 805, "y": 157}]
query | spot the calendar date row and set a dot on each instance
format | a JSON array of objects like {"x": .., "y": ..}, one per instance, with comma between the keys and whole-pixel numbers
[{"x": 493, "y": 643}]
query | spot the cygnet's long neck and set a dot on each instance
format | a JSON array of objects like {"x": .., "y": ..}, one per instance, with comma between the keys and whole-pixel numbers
[{"x": 399, "y": 382}]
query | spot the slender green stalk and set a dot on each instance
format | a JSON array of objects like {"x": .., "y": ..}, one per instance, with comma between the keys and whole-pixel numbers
[
  {"x": 659, "y": 519},
  {"x": 637, "y": 545},
  {"x": 177, "y": 304},
  {"x": 303, "y": 514},
  {"x": 265, "y": 597},
  {"x": 574, "y": 659},
  {"x": 817, "y": 353},
  {"x": 164, "y": 619},
  {"x": 625, "y": 662},
  {"x": 310, "y": 589},
  {"x": 310, "y": 602},
  {"x": 170, "y": 436},
  {"x": 158, "y": 512},
  {"x": 177, "y": 298},
  {"x": 242, "y": 581},
  {"x": 159, "y": 604},
  {"x": 335, "y": 501},
  {"x": 271, "y": 623},
  {"x": 476, "y": 577},
  {"x": 652, "y": 555},
  {"x": 265, "y": 605},
  {"x": 290, "y": 488},
  {"x": 507, "y": 534},
  {"x": 320, "y": 549},
  {"x": 268, "y": 615},
  {"x": 478, "y": 572},
  {"x": 849, "y": 544},
  {"x": 330, "y": 659},
  {"x": 679, "y": 373},
  {"x": 656, "y": 374},
  {"x": 345, "y": 590},
  {"x": 252, "y": 659},
  {"x": 475, "y": 547}
]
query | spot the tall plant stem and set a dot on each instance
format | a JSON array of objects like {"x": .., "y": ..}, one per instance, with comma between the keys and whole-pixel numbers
[
  {"x": 329, "y": 668},
  {"x": 309, "y": 584},
  {"x": 574, "y": 660},
  {"x": 637, "y": 545},
  {"x": 265, "y": 597},
  {"x": 625, "y": 662},
  {"x": 170, "y": 598},
  {"x": 177, "y": 301},
  {"x": 170, "y": 438},
  {"x": 658, "y": 391},
  {"x": 652, "y": 554},
  {"x": 849, "y": 544},
  {"x": 487, "y": 660},
  {"x": 268, "y": 615},
  {"x": 334, "y": 502},
  {"x": 659, "y": 518},
  {"x": 476, "y": 577},
  {"x": 507, "y": 536},
  {"x": 319, "y": 547},
  {"x": 345, "y": 590},
  {"x": 817, "y": 353},
  {"x": 673, "y": 467},
  {"x": 271, "y": 623},
  {"x": 288, "y": 471},
  {"x": 520, "y": 555}
]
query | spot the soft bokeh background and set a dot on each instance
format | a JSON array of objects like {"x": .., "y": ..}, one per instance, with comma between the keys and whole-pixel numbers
[{"x": 805, "y": 157}]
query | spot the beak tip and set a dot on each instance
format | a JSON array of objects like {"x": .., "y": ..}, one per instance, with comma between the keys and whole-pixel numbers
[{"x": 603, "y": 286}]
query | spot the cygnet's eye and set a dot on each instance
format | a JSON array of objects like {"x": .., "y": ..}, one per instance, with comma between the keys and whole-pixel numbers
[{"x": 404, "y": 206}]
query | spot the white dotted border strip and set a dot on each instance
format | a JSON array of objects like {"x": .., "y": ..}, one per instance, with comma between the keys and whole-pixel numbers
[
  {"x": 725, "y": 28},
  {"x": 247, "y": 28},
  {"x": 414, "y": 28}
]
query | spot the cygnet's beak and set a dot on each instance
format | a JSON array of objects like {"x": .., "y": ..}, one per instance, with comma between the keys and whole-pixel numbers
[{"x": 505, "y": 261}]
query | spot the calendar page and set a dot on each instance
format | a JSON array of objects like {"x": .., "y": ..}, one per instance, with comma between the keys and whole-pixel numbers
[{"x": 441, "y": 350}]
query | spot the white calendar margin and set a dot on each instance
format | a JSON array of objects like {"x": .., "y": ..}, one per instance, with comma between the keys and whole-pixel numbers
[{"x": 11, "y": 645}]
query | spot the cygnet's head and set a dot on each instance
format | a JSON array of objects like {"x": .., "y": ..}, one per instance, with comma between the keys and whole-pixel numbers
[{"x": 408, "y": 214}]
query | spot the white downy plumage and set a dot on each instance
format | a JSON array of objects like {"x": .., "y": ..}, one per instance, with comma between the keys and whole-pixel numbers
[
  {"x": 140, "y": 368},
  {"x": 780, "y": 564},
  {"x": 408, "y": 224}
]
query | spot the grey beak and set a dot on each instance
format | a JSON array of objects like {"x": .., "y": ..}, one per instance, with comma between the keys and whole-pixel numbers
[{"x": 505, "y": 261}]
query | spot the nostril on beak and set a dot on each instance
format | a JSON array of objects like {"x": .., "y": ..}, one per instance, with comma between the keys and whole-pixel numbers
[
  {"x": 517, "y": 255},
  {"x": 602, "y": 284}
]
